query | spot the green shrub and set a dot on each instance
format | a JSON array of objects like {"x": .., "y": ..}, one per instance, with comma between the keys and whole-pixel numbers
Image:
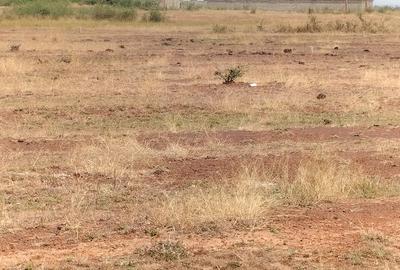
[
  {"x": 154, "y": 15},
  {"x": 105, "y": 12},
  {"x": 43, "y": 8},
  {"x": 230, "y": 75}
]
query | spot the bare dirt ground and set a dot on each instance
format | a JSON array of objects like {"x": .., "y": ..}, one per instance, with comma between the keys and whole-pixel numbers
[{"x": 99, "y": 124}]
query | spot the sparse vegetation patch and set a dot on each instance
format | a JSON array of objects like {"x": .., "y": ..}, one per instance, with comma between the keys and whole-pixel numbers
[{"x": 230, "y": 75}]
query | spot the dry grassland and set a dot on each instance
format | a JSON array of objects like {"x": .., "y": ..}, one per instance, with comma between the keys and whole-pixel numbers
[{"x": 120, "y": 149}]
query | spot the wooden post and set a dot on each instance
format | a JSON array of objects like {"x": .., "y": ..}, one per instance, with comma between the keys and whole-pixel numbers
[{"x": 346, "y": 6}]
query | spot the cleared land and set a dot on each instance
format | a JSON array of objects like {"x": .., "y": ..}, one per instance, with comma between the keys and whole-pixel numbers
[{"x": 120, "y": 149}]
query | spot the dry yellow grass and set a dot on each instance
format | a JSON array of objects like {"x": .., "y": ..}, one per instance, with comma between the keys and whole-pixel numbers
[
  {"x": 322, "y": 179},
  {"x": 248, "y": 198},
  {"x": 243, "y": 201}
]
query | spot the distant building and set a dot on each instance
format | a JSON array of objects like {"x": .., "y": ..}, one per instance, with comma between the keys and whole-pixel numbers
[{"x": 283, "y": 5}]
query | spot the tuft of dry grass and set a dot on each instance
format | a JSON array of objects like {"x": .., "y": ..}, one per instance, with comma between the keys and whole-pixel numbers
[
  {"x": 167, "y": 251},
  {"x": 242, "y": 201},
  {"x": 321, "y": 179},
  {"x": 111, "y": 158},
  {"x": 374, "y": 247}
]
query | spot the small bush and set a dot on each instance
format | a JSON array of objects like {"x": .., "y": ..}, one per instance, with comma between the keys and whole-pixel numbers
[
  {"x": 154, "y": 15},
  {"x": 230, "y": 75}
]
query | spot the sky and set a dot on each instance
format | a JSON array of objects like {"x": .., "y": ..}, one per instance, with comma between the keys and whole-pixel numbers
[{"x": 387, "y": 3}]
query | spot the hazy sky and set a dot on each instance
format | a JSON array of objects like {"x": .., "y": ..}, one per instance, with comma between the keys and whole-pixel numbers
[{"x": 387, "y": 2}]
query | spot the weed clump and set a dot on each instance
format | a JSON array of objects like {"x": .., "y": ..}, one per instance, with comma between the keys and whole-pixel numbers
[
  {"x": 154, "y": 15},
  {"x": 230, "y": 75},
  {"x": 167, "y": 251}
]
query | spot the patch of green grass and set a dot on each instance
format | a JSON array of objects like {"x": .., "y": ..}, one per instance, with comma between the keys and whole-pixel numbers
[
  {"x": 43, "y": 8},
  {"x": 106, "y": 12}
]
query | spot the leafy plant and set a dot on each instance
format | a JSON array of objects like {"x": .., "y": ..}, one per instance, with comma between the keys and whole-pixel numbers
[{"x": 230, "y": 75}]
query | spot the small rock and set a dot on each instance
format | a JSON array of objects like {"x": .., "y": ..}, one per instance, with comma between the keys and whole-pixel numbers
[
  {"x": 321, "y": 96},
  {"x": 109, "y": 50},
  {"x": 336, "y": 48},
  {"x": 301, "y": 63},
  {"x": 122, "y": 46},
  {"x": 287, "y": 50}
]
